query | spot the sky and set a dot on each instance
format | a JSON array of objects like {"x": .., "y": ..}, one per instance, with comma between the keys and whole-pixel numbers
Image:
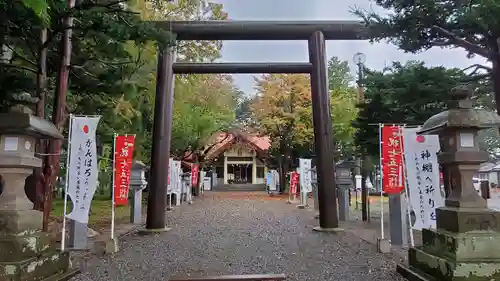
[{"x": 377, "y": 55}]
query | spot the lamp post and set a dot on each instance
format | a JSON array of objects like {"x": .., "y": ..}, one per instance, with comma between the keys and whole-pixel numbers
[
  {"x": 359, "y": 59},
  {"x": 344, "y": 184}
]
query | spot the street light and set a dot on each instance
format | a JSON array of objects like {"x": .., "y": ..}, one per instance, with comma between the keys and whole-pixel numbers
[{"x": 359, "y": 59}]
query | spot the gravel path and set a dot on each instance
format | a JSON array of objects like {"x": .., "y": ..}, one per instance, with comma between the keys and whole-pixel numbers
[{"x": 219, "y": 235}]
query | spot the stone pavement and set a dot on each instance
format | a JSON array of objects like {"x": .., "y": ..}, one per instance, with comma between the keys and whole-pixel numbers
[
  {"x": 370, "y": 231},
  {"x": 220, "y": 235}
]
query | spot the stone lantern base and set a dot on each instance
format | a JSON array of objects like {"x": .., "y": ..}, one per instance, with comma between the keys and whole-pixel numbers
[
  {"x": 29, "y": 254},
  {"x": 451, "y": 253}
]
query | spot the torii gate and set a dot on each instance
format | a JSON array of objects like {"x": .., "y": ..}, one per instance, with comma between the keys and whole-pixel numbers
[{"x": 316, "y": 32}]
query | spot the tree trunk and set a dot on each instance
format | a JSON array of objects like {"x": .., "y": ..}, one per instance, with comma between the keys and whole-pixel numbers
[
  {"x": 284, "y": 167},
  {"x": 41, "y": 148},
  {"x": 282, "y": 181},
  {"x": 58, "y": 115},
  {"x": 495, "y": 78}
]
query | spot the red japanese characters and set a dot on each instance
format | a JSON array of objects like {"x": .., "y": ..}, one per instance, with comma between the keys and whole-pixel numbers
[
  {"x": 124, "y": 150},
  {"x": 392, "y": 160}
]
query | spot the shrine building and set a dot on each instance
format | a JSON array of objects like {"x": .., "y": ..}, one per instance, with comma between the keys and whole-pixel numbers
[{"x": 237, "y": 157}]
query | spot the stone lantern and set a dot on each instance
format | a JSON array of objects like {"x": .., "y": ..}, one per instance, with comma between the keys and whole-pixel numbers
[
  {"x": 26, "y": 253},
  {"x": 344, "y": 185},
  {"x": 466, "y": 242}
]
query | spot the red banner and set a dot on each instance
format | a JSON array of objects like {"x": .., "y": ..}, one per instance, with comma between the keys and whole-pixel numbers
[
  {"x": 294, "y": 182},
  {"x": 124, "y": 150},
  {"x": 195, "y": 170},
  {"x": 392, "y": 159}
]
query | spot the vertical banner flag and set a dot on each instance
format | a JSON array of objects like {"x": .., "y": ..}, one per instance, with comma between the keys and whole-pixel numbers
[
  {"x": 202, "y": 181},
  {"x": 177, "y": 177},
  {"x": 124, "y": 150},
  {"x": 269, "y": 180},
  {"x": 276, "y": 179},
  {"x": 195, "y": 170},
  {"x": 169, "y": 174},
  {"x": 82, "y": 169},
  {"x": 305, "y": 175},
  {"x": 424, "y": 177},
  {"x": 392, "y": 160},
  {"x": 294, "y": 181}
]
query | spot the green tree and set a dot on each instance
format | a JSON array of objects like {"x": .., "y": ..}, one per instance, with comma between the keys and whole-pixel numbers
[
  {"x": 339, "y": 75},
  {"x": 420, "y": 25},
  {"x": 283, "y": 111},
  {"x": 203, "y": 104},
  {"x": 39, "y": 7},
  {"x": 402, "y": 94}
]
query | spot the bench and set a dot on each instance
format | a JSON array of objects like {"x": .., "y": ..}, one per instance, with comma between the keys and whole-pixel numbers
[{"x": 257, "y": 277}]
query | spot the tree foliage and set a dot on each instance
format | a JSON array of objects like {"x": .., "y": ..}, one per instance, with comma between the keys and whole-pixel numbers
[
  {"x": 203, "y": 104},
  {"x": 420, "y": 25},
  {"x": 283, "y": 109},
  {"x": 113, "y": 66},
  {"x": 402, "y": 94}
]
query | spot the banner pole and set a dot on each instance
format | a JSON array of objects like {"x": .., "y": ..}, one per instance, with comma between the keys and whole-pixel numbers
[
  {"x": 113, "y": 190},
  {"x": 382, "y": 232},
  {"x": 66, "y": 181},
  {"x": 407, "y": 200},
  {"x": 289, "y": 190}
]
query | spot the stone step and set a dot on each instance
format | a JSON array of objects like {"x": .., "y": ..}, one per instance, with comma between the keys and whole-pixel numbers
[
  {"x": 23, "y": 247},
  {"x": 42, "y": 267},
  {"x": 240, "y": 187}
]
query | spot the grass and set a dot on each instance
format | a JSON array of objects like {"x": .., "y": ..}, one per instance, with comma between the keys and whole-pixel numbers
[{"x": 100, "y": 210}]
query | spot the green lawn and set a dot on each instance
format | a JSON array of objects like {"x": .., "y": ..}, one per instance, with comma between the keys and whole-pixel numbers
[{"x": 100, "y": 210}]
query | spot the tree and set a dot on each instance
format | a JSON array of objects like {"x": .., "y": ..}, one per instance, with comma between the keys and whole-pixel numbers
[
  {"x": 39, "y": 7},
  {"x": 402, "y": 94},
  {"x": 283, "y": 111},
  {"x": 203, "y": 104},
  {"x": 113, "y": 63},
  {"x": 339, "y": 74},
  {"x": 91, "y": 62},
  {"x": 243, "y": 111},
  {"x": 420, "y": 25}
]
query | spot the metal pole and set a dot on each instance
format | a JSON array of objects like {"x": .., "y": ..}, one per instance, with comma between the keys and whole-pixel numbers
[
  {"x": 359, "y": 59},
  {"x": 160, "y": 153},
  {"x": 113, "y": 183},
  {"x": 382, "y": 227},
  {"x": 323, "y": 135}
]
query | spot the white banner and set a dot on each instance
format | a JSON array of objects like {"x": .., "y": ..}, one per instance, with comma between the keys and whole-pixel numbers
[
  {"x": 272, "y": 180},
  {"x": 177, "y": 170},
  {"x": 170, "y": 176},
  {"x": 82, "y": 169},
  {"x": 205, "y": 185},
  {"x": 305, "y": 175},
  {"x": 420, "y": 152}
]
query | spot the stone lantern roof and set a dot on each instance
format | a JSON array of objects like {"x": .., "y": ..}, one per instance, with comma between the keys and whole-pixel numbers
[{"x": 461, "y": 114}]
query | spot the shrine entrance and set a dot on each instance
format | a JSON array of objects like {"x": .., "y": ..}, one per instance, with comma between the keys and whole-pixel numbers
[
  {"x": 315, "y": 32},
  {"x": 239, "y": 173}
]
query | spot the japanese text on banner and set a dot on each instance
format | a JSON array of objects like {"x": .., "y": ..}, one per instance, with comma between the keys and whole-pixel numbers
[
  {"x": 294, "y": 182},
  {"x": 195, "y": 169},
  {"x": 392, "y": 160},
  {"x": 124, "y": 150},
  {"x": 423, "y": 176},
  {"x": 82, "y": 169},
  {"x": 305, "y": 175}
]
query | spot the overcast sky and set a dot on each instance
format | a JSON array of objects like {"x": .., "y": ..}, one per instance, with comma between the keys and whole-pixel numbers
[{"x": 377, "y": 55}]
